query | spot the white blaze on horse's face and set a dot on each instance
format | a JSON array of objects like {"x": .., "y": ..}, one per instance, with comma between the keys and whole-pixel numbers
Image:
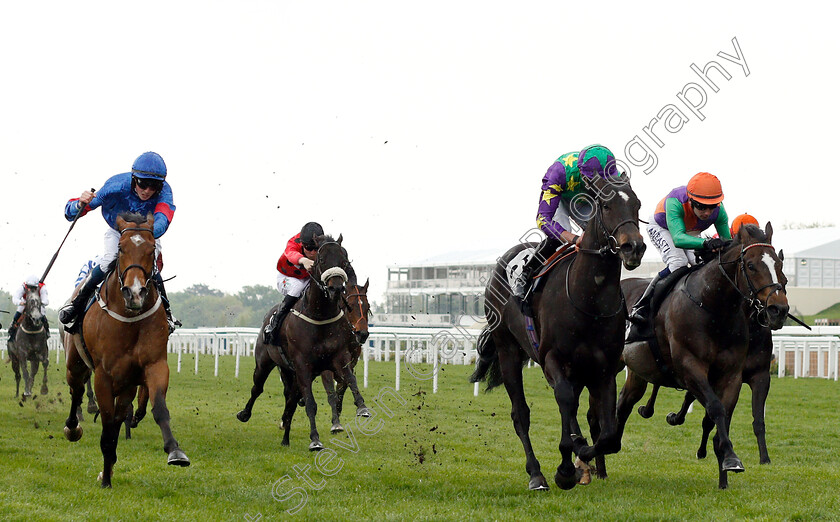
[
  {"x": 771, "y": 266},
  {"x": 624, "y": 196},
  {"x": 137, "y": 240}
]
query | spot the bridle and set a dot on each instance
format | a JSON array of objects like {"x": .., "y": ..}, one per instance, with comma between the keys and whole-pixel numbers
[
  {"x": 759, "y": 308},
  {"x": 146, "y": 274},
  {"x": 362, "y": 314},
  {"x": 326, "y": 275}
]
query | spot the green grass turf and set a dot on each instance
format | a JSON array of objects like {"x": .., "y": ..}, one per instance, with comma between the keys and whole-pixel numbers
[{"x": 444, "y": 456}]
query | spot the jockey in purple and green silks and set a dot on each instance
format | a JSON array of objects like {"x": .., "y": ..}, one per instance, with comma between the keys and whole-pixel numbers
[{"x": 559, "y": 203}]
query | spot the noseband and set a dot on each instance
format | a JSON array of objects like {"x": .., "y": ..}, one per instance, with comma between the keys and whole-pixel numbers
[
  {"x": 759, "y": 308},
  {"x": 326, "y": 275}
]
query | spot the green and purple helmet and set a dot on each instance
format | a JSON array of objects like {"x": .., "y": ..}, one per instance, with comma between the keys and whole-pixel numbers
[{"x": 597, "y": 160}]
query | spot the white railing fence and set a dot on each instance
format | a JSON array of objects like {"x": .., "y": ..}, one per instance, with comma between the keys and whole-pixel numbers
[{"x": 421, "y": 352}]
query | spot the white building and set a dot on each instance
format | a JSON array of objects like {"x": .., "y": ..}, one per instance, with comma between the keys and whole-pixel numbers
[{"x": 449, "y": 288}]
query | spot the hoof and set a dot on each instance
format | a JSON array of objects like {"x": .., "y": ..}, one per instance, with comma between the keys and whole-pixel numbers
[
  {"x": 644, "y": 412},
  {"x": 538, "y": 483},
  {"x": 44, "y": 390},
  {"x": 732, "y": 464},
  {"x": 567, "y": 483},
  {"x": 701, "y": 453},
  {"x": 302, "y": 402},
  {"x": 178, "y": 458},
  {"x": 674, "y": 420},
  {"x": 363, "y": 412},
  {"x": 134, "y": 422},
  {"x": 315, "y": 445},
  {"x": 583, "y": 472},
  {"x": 73, "y": 434},
  {"x": 244, "y": 416},
  {"x": 92, "y": 408},
  {"x": 337, "y": 428},
  {"x": 764, "y": 460}
]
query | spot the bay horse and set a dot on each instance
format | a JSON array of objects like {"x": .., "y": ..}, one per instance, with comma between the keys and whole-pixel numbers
[
  {"x": 579, "y": 316},
  {"x": 123, "y": 340},
  {"x": 756, "y": 375},
  {"x": 357, "y": 310},
  {"x": 701, "y": 331},
  {"x": 30, "y": 345},
  {"x": 314, "y": 338}
]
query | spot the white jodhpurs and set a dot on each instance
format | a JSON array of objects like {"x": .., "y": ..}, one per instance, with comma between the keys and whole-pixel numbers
[
  {"x": 672, "y": 256},
  {"x": 292, "y": 286},
  {"x": 112, "y": 245}
]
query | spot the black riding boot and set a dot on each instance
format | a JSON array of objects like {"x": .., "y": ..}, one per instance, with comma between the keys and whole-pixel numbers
[
  {"x": 46, "y": 325},
  {"x": 272, "y": 329},
  {"x": 544, "y": 250},
  {"x": 639, "y": 317},
  {"x": 13, "y": 327},
  {"x": 70, "y": 314},
  {"x": 158, "y": 279}
]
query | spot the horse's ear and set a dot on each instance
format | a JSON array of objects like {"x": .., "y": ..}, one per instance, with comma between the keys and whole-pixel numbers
[
  {"x": 367, "y": 282},
  {"x": 743, "y": 235},
  {"x": 781, "y": 255},
  {"x": 318, "y": 240},
  {"x": 121, "y": 223},
  {"x": 768, "y": 231},
  {"x": 150, "y": 219},
  {"x": 340, "y": 238}
]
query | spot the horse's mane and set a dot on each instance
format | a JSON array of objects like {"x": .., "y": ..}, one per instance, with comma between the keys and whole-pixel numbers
[
  {"x": 133, "y": 217},
  {"x": 326, "y": 238}
]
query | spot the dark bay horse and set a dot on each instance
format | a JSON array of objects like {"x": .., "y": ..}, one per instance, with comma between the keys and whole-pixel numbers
[
  {"x": 314, "y": 338},
  {"x": 357, "y": 311},
  {"x": 30, "y": 345},
  {"x": 123, "y": 339},
  {"x": 701, "y": 330},
  {"x": 756, "y": 375},
  {"x": 579, "y": 315}
]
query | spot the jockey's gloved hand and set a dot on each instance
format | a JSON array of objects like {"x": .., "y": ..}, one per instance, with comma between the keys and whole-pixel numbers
[
  {"x": 714, "y": 244},
  {"x": 306, "y": 263}
]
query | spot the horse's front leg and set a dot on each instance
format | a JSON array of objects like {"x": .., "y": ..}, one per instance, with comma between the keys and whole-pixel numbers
[
  {"x": 567, "y": 475},
  {"x": 304, "y": 381},
  {"x": 103, "y": 386},
  {"x": 631, "y": 393},
  {"x": 328, "y": 380},
  {"x": 646, "y": 410},
  {"x": 605, "y": 437},
  {"x": 348, "y": 380},
  {"x": 156, "y": 378},
  {"x": 27, "y": 376},
  {"x": 675, "y": 419},
  {"x": 142, "y": 405},
  {"x": 291, "y": 392},
  {"x": 264, "y": 365},
  {"x": 45, "y": 362},
  {"x": 760, "y": 386},
  {"x": 77, "y": 376}
]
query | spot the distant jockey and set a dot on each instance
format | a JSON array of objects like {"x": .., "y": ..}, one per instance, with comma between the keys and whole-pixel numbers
[
  {"x": 739, "y": 221},
  {"x": 19, "y": 298},
  {"x": 144, "y": 190},
  {"x": 560, "y": 205},
  {"x": 675, "y": 228},
  {"x": 293, "y": 274}
]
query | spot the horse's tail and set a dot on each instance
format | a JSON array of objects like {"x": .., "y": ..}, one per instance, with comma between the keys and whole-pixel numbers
[{"x": 487, "y": 365}]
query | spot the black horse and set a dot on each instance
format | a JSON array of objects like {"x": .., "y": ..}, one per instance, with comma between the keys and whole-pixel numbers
[
  {"x": 579, "y": 314},
  {"x": 701, "y": 334},
  {"x": 314, "y": 338},
  {"x": 30, "y": 345}
]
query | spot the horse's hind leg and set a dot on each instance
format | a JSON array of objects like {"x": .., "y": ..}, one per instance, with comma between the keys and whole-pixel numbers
[
  {"x": 291, "y": 392},
  {"x": 760, "y": 385},
  {"x": 156, "y": 378},
  {"x": 264, "y": 365},
  {"x": 510, "y": 367},
  {"x": 646, "y": 410},
  {"x": 631, "y": 393},
  {"x": 328, "y": 379},
  {"x": 707, "y": 426},
  {"x": 15, "y": 367},
  {"x": 142, "y": 404}
]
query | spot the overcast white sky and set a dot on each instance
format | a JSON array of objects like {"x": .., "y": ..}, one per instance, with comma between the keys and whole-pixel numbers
[{"x": 412, "y": 128}]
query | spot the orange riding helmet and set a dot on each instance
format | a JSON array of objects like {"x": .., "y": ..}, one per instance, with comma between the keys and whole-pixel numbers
[
  {"x": 739, "y": 221},
  {"x": 705, "y": 188}
]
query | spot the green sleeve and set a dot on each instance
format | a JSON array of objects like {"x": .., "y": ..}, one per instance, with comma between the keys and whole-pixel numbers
[
  {"x": 722, "y": 224},
  {"x": 676, "y": 226}
]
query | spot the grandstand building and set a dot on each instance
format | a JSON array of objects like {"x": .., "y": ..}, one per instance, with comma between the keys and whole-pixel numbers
[{"x": 449, "y": 289}]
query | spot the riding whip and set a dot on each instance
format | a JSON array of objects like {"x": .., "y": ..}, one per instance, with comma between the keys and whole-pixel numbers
[
  {"x": 798, "y": 320},
  {"x": 73, "y": 224}
]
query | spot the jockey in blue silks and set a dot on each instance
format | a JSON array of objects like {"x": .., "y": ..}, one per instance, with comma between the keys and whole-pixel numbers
[{"x": 144, "y": 190}]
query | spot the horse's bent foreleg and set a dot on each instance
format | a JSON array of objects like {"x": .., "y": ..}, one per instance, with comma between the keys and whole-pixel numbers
[
  {"x": 675, "y": 419},
  {"x": 156, "y": 377},
  {"x": 142, "y": 404}
]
